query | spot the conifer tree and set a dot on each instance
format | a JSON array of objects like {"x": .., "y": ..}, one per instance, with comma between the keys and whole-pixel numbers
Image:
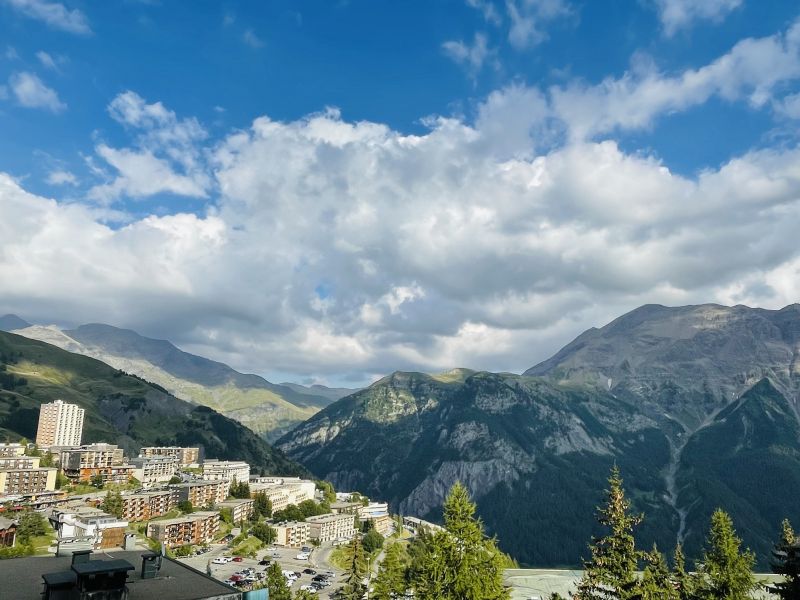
[
  {"x": 684, "y": 582},
  {"x": 276, "y": 584},
  {"x": 460, "y": 563},
  {"x": 725, "y": 572},
  {"x": 786, "y": 562},
  {"x": 391, "y": 580},
  {"x": 610, "y": 573},
  {"x": 354, "y": 587},
  {"x": 656, "y": 582}
]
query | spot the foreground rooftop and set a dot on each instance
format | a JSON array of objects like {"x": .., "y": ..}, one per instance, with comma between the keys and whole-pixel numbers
[{"x": 175, "y": 580}]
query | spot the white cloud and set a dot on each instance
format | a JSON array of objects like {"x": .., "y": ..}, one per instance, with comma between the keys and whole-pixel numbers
[
  {"x": 471, "y": 57},
  {"x": 751, "y": 71},
  {"x": 166, "y": 156},
  {"x": 30, "y": 92},
  {"x": 49, "y": 61},
  {"x": 251, "y": 39},
  {"x": 53, "y": 14},
  {"x": 681, "y": 14},
  {"x": 338, "y": 247},
  {"x": 528, "y": 18},
  {"x": 487, "y": 9},
  {"x": 141, "y": 174},
  {"x": 61, "y": 177}
]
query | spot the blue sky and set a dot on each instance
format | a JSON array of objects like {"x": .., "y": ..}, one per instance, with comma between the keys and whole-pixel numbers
[{"x": 200, "y": 148}]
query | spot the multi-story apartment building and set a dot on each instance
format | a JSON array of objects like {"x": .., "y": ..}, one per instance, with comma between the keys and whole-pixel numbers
[
  {"x": 148, "y": 505},
  {"x": 277, "y": 497},
  {"x": 22, "y": 475},
  {"x": 60, "y": 424},
  {"x": 330, "y": 527},
  {"x": 340, "y": 508},
  {"x": 241, "y": 509},
  {"x": 202, "y": 493},
  {"x": 185, "y": 456},
  {"x": 373, "y": 510},
  {"x": 196, "y": 528},
  {"x": 154, "y": 469},
  {"x": 292, "y": 533},
  {"x": 85, "y": 462},
  {"x": 19, "y": 462},
  {"x": 13, "y": 449},
  {"x": 226, "y": 470},
  {"x": 105, "y": 530},
  {"x": 383, "y": 524},
  {"x": 283, "y": 491}
]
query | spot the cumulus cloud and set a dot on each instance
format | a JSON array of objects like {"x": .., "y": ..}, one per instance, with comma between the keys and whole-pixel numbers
[
  {"x": 54, "y": 14},
  {"x": 31, "y": 92},
  {"x": 349, "y": 248},
  {"x": 343, "y": 247},
  {"x": 680, "y": 14},
  {"x": 166, "y": 156}
]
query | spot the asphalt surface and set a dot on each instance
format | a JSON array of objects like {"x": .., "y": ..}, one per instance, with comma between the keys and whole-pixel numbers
[{"x": 285, "y": 558}]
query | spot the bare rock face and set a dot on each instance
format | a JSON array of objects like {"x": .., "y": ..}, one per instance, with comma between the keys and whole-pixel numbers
[
  {"x": 684, "y": 400},
  {"x": 687, "y": 361}
]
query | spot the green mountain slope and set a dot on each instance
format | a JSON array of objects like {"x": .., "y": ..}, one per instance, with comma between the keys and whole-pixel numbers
[
  {"x": 535, "y": 455},
  {"x": 747, "y": 460},
  {"x": 264, "y": 407},
  {"x": 697, "y": 405},
  {"x": 120, "y": 408}
]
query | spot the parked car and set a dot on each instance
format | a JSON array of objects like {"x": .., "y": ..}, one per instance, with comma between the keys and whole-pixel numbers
[
  {"x": 237, "y": 559},
  {"x": 264, "y": 562},
  {"x": 306, "y": 549},
  {"x": 301, "y": 556},
  {"x": 220, "y": 560},
  {"x": 309, "y": 588},
  {"x": 309, "y": 571}
]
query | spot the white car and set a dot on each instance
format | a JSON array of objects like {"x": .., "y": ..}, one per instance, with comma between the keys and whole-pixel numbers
[
  {"x": 220, "y": 560},
  {"x": 301, "y": 556},
  {"x": 309, "y": 588}
]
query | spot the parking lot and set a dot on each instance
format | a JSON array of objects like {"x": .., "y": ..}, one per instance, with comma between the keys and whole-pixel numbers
[{"x": 285, "y": 557}]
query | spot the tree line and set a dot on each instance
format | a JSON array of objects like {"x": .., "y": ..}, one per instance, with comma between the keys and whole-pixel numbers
[
  {"x": 618, "y": 570},
  {"x": 460, "y": 562}
]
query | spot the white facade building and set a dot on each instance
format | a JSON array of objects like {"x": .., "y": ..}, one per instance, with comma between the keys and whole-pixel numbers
[
  {"x": 60, "y": 424},
  {"x": 154, "y": 469},
  {"x": 226, "y": 470}
]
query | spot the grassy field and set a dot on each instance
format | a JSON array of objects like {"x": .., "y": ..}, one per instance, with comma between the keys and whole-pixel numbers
[{"x": 251, "y": 544}]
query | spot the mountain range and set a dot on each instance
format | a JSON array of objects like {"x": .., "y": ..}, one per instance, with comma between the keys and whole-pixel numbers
[
  {"x": 120, "y": 408},
  {"x": 697, "y": 405},
  {"x": 268, "y": 409}
]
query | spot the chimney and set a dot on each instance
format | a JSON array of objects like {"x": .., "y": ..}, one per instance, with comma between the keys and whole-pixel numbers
[
  {"x": 151, "y": 565},
  {"x": 81, "y": 556}
]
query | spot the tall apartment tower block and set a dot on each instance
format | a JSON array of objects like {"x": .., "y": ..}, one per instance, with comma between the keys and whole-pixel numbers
[{"x": 60, "y": 424}]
